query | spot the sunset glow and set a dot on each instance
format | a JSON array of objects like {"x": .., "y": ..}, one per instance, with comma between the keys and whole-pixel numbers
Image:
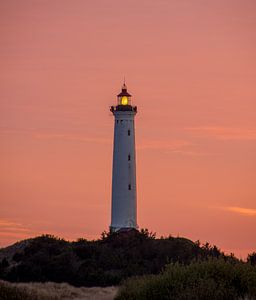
[
  {"x": 243, "y": 211},
  {"x": 191, "y": 69}
]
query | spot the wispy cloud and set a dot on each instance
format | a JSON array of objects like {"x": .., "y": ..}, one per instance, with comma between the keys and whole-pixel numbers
[
  {"x": 171, "y": 145},
  {"x": 193, "y": 153},
  {"x": 16, "y": 235},
  {"x": 242, "y": 210},
  {"x": 71, "y": 137},
  {"x": 11, "y": 231},
  {"x": 179, "y": 147},
  {"x": 12, "y": 227},
  {"x": 224, "y": 133},
  {"x": 48, "y": 135}
]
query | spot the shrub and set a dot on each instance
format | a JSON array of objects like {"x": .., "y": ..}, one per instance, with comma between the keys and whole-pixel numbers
[
  {"x": 104, "y": 262},
  {"x": 252, "y": 259},
  {"x": 215, "y": 279}
]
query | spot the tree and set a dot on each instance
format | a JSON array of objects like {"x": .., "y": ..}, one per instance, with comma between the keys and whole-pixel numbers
[{"x": 251, "y": 258}]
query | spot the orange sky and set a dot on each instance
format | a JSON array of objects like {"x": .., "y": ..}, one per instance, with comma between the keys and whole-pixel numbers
[{"x": 191, "y": 68}]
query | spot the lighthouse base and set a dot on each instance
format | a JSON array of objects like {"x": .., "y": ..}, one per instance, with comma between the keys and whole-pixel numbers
[{"x": 122, "y": 229}]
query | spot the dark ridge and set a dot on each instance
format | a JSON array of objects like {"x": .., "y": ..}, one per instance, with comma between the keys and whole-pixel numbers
[{"x": 103, "y": 262}]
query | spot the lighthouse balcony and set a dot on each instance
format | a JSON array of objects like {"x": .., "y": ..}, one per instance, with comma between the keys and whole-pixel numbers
[{"x": 123, "y": 108}]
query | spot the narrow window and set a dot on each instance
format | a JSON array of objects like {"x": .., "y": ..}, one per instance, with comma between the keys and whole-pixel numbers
[
  {"x": 121, "y": 121},
  {"x": 129, "y": 187},
  {"x": 129, "y": 157},
  {"x": 117, "y": 121},
  {"x": 129, "y": 132}
]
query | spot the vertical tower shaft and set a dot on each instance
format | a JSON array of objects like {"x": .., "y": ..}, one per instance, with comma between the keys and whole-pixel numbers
[{"x": 124, "y": 193}]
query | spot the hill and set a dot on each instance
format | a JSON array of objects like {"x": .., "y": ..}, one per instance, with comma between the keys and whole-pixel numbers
[{"x": 103, "y": 262}]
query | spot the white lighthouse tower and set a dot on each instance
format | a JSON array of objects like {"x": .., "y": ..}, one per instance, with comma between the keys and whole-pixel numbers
[{"x": 124, "y": 195}]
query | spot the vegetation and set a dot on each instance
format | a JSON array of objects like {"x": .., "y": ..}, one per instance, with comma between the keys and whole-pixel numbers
[
  {"x": 8, "y": 292},
  {"x": 114, "y": 258},
  {"x": 103, "y": 262},
  {"x": 53, "y": 291},
  {"x": 252, "y": 258},
  {"x": 215, "y": 279}
]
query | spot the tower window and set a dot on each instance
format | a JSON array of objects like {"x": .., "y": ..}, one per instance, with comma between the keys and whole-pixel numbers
[
  {"x": 129, "y": 187},
  {"x": 129, "y": 132},
  {"x": 117, "y": 121},
  {"x": 129, "y": 157}
]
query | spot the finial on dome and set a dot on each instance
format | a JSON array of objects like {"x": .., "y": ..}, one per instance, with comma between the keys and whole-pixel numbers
[
  {"x": 124, "y": 87},
  {"x": 124, "y": 96}
]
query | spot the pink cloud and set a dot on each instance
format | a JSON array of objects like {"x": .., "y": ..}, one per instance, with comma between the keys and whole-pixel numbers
[
  {"x": 11, "y": 226},
  {"x": 224, "y": 133},
  {"x": 44, "y": 135},
  {"x": 171, "y": 145},
  {"x": 71, "y": 137},
  {"x": 11, "y": 230},
  {"x": 242, "y": 210}
]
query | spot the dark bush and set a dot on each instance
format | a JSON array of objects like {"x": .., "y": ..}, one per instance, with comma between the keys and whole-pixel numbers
[
  {"x": 252, "y": 259},
  {"x": 215, "y": 279},
  {"x": 104, "y": 262}
]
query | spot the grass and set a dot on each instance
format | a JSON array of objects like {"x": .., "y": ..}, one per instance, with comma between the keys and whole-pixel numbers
[{"x": 53, "y": 291}]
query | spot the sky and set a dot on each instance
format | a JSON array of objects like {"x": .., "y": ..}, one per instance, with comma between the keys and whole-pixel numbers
[{"x": 191, "y": 68}]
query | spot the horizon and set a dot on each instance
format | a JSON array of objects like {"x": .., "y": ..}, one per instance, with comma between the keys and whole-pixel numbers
[{"x": 191, "y": 69}]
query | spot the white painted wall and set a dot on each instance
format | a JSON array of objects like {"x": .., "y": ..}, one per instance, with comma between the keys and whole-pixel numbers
[{"x": 124, "y": 201}]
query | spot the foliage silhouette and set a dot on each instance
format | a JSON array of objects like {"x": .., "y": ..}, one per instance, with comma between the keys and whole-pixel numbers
[{"x": 103, "y": 262}]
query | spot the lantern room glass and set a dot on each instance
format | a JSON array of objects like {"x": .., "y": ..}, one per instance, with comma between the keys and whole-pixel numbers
[{"x": 124, "y": 100}]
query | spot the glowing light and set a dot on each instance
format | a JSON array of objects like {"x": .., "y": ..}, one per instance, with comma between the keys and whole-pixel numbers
[{"x": 124, "y": 100}]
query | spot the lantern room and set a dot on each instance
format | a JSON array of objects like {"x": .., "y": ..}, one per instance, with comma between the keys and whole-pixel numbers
[
  {"x": 123, "y": 102},
  {"x": 124, "y": 98}
]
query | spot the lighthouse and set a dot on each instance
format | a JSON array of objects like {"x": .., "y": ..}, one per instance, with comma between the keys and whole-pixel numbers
[{"x": 124, "y": 193}]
